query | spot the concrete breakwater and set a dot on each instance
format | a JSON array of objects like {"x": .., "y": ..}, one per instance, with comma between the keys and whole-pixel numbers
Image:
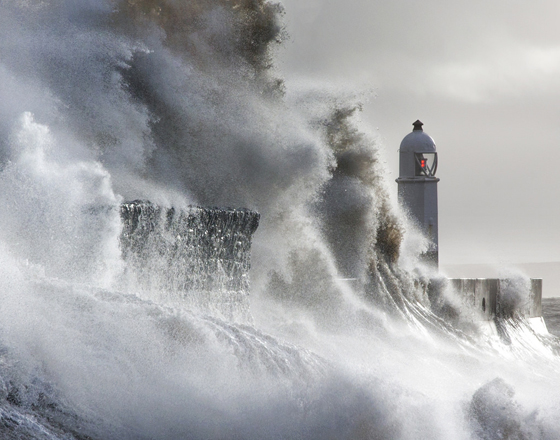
[
  {"x": 492, "y": 302},
  {"x": 502, "y": 298},
  {"x": 497, "y": 299},
  {"x": 199, "y": 256}
]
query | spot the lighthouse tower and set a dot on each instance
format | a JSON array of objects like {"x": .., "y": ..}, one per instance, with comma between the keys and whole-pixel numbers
[{"x": 418, "y": 185}]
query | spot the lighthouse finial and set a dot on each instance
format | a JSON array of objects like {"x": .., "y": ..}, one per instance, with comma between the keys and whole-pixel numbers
[{"x": 418, "y": 125}]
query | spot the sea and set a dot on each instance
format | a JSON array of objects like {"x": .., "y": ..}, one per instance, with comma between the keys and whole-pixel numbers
[{"x": 132, "y": 330}]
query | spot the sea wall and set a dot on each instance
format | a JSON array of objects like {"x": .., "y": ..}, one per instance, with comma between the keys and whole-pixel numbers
[
  {"x": 198, "y": 256},
  {"x": 494, "y": 297}
]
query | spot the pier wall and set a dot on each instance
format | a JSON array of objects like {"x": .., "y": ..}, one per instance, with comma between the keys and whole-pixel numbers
[
  {"x": 501, "y": 297},
  {"x": 199, "y": 257}
]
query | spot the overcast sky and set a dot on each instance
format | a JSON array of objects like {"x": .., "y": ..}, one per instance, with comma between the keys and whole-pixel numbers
[{"x": 484, "y": 77}]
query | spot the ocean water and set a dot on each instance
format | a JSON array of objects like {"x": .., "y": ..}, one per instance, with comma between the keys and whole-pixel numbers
[{"x": 178, "y": 102}]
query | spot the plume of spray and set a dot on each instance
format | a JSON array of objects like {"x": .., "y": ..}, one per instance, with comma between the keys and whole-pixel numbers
[{"x": 182, "y": 106}]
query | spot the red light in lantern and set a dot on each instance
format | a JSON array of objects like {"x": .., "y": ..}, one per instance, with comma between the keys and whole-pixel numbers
[{"x": 423, "y": 163}]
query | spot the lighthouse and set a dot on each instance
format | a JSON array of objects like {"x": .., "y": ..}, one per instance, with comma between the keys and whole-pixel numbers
[{"x": 418, "y": 186}]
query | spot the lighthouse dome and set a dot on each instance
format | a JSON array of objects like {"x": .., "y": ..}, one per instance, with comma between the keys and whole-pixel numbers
[{"x": 418, "y": 141}]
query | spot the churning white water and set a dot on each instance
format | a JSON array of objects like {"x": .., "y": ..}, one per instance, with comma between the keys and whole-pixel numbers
[{"x": 107, "y": 101}]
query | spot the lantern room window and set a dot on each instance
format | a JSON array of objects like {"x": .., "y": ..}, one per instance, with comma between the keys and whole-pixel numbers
[{"x": 426, "y": 164}]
